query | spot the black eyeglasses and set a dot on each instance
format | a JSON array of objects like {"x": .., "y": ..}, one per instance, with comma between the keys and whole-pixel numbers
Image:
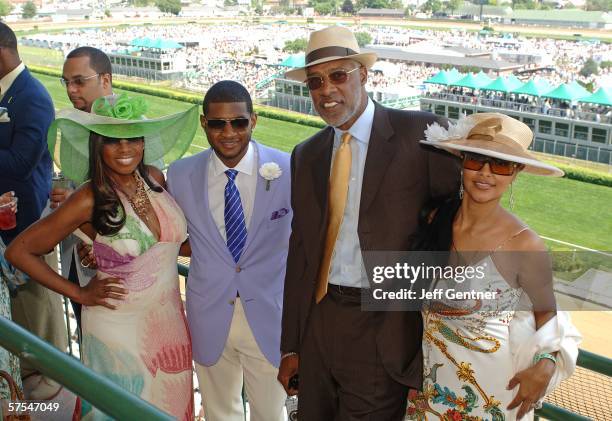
[
  {"x": 78, "y": 81},
  {"x": 476, "y": 162},
  {"x": 117, "y": 140},
  {"x": 239, "y": 123},
  {"x": 337, "y": 77}
]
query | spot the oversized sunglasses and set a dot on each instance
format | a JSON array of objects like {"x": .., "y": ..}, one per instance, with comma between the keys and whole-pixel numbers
[
  {"x": 337, "y": 77},
  {"x": 116, "y": 140},
  {"x": 240, "y": 123},
  {"x": 77, "y": 81},
  {"x": 476, "y": 162}
]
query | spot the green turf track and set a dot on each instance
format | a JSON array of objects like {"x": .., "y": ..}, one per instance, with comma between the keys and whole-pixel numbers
[{"x": 567, "y": 210}]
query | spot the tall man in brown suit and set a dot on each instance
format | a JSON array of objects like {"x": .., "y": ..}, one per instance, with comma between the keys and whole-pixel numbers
[{"x": 353, "y": 193}]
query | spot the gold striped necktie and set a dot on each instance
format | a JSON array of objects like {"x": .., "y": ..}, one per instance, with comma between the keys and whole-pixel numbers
[{"x": 338, "y": 193}]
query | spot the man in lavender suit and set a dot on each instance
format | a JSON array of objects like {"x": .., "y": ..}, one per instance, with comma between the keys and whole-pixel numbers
[{"x": 236, "y": 198}]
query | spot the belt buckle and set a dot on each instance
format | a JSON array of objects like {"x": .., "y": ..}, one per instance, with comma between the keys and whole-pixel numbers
[{"x": 348, "y": 291}]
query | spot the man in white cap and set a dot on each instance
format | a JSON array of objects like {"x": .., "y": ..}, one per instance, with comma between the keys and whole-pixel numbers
[{"x": 357, "y": 185}]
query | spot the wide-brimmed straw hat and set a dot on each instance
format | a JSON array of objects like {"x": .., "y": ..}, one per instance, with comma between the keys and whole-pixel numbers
[
  {"x": 328, "y": 44},
  {"x": 490, "y": 134},
  {"x": 166, "y": 138}
]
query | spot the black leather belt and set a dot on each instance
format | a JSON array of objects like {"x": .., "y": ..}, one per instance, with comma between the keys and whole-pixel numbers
[{"x": 342, "y": 290}]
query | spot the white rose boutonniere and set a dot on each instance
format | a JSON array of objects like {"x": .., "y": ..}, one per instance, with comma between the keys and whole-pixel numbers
[{"x": 270, "y": 171}]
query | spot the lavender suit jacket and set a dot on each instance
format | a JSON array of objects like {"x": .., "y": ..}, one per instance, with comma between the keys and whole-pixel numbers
[{"x": 214, "y": 277}]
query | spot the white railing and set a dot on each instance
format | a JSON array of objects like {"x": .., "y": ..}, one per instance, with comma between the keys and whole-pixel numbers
[{"x": 521, "y": 107}]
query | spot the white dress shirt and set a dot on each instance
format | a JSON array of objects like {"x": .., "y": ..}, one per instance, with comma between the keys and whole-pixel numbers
[
  {"x": 7, "y": 81},
  {"x": 246, "y": 182},
  {"x": 347, "y": 268}
]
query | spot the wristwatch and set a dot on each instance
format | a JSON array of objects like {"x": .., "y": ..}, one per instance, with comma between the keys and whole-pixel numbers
[{"x": 287, "y": 354}]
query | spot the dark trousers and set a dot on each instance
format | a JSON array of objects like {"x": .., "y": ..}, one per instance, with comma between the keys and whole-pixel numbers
[
  {"x": 341, "y": 375},
  {"x": 74, "y": 278}
]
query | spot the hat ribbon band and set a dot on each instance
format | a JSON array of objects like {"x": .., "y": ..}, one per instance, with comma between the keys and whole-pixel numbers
[
  {"x": 332, "y": 51},
  {"x": 508, "y": 148},
  {"x": 486, "y": 130}
]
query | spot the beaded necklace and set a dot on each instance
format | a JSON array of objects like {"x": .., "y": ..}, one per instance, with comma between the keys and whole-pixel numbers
[{"x": 139, "y": 200}]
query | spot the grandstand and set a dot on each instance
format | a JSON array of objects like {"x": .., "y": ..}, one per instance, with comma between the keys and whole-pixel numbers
[
  {"x": 567, "y": 120},
  {"x": 152, "y": 59}
]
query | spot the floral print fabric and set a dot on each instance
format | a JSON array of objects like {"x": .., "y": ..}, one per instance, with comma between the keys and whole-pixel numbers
[
  {"x": 144, "y": 344},
  {"x": 467, "y": 357},
  {"x": 8, "y": 362}
]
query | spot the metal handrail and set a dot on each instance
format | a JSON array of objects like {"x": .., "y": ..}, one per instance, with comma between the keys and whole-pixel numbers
[
  {"x": 102, "y": 393},
  {"x": 589, "y": 361},
  {"x": 595, "y": 362},
  {"x": 553, "y": 412},
  {"x": 183, "y": 270}
]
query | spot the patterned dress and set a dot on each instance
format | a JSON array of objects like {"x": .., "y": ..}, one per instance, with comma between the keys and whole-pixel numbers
[
  {"x": 144, "y": 344},
  {"x": 467, "y": 355},
  {"x": 8, "y": 362}
]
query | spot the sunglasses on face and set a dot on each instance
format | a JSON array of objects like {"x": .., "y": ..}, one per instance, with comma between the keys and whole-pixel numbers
[
  {"x": 116, "y": 141},
  {"x": 337, "y": 77},
  {"x": 475, "y": 162},
  {"x": 77, "y": 81},
  {"x": 239, "y": 123}
]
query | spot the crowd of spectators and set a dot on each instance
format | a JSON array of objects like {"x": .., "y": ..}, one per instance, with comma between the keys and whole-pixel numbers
[{"x": 251, "y": 53}]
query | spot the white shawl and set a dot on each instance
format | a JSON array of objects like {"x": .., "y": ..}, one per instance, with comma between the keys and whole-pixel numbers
[{"x": 557, "y": 335}]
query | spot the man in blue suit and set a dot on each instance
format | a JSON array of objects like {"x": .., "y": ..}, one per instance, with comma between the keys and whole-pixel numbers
[
  {"x": 236, "y": 199},
  {"x": 26, "y": 168},
  {"x": 25, "y": 163}
]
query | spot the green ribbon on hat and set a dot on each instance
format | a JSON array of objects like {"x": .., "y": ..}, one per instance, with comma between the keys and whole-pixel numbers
[{"x": 122, "y": 107}]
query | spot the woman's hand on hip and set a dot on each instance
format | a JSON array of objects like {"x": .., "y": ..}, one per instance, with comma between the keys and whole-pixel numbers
[{"x": 97, "y": 291}]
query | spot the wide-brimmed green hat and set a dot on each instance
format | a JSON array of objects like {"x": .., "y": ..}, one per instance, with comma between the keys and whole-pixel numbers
[{"x": 166, "y": 138}]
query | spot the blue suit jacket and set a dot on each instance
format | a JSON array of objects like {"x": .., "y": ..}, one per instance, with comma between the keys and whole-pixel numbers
[
  {"x": 214, "y": 277},
  {"x": 25, "y": 162}
]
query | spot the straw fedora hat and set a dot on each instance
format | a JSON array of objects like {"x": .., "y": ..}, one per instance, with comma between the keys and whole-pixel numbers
[
  {"x": 490, "y": 134},
  {"x": 328, "y": 44}
]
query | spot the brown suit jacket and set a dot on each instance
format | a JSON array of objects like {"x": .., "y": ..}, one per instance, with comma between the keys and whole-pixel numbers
[{"x": 400, "y": 176}]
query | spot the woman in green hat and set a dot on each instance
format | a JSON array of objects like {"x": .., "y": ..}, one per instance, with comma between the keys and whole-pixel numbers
[{"x": 133, "y": 325}]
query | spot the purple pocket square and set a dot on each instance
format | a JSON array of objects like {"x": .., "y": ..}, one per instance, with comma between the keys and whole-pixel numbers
[{"x": 279, "y": 214}]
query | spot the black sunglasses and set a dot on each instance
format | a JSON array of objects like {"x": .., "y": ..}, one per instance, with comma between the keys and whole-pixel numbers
[
  {"x": 117, "y": 140},
  {"x": 337, "y": 77},
  {"x": 239, "y": 123},
  {"x": 476, "y": 162}
]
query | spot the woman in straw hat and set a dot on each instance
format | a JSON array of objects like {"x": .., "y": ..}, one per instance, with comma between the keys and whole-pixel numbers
[
  {"x": 493, "y": 342},
  {"x": 133, "y": 325}
]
